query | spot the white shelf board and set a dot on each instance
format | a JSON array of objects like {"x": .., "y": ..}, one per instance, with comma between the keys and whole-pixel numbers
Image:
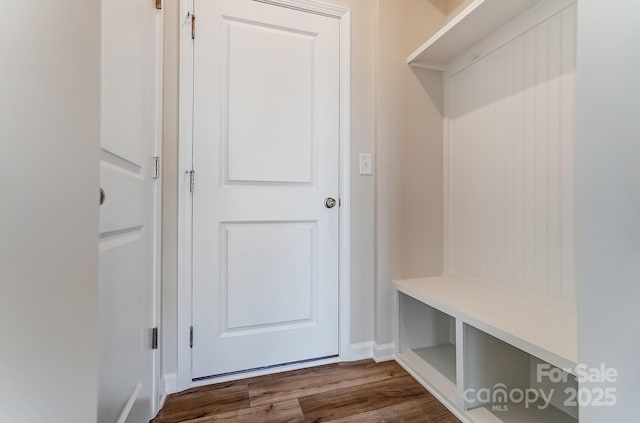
[
  {"x": 542, "y": 328},
  {"x": 430, "y": 377},
  {"x": 440, "y": 357},
  {"x": 518, "y": 413},
  {"x": 477, "y": 21}
]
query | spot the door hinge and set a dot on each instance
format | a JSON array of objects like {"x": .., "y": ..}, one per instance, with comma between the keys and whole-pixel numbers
[
  {"x": 156, "y": 167},
  {"x": 191, "y": 337},
  {"x": 154, "y": 338},
  {"x": 192, "y": 180},
  {"x": 159, "y": 4},
  {"x": 193, "y": 24}
]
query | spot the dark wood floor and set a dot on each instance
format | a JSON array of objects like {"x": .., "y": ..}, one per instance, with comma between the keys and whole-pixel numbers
[{"x": 347, "y": 392}]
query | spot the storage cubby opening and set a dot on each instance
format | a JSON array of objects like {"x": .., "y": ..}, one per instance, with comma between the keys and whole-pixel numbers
[
  {"x": 429, "y": 335},
  {"x": 506, "y": 384}
]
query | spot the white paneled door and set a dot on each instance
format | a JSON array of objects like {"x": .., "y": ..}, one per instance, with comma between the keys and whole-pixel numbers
[
  {"x": 131, "y": 76},
  {"x": 265, "y": 154}
]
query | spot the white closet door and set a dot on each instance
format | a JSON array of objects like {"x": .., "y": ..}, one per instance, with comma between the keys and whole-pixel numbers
[{"x": 131, "y": 40}]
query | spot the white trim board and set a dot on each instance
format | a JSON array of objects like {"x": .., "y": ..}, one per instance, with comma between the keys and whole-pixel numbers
[
  {"x": 130, "y": 403},
  {"x": 186, "y": 54},
  {"x": 369, "y": 349},
  {"x": 384, "y": 352},
  {"x": 157, "y": 255},
  {"x": 168, "y": 386},
  {"x": 185, "y": 160},
  {"x": 169, "y": 383},
  {"x": 361, "y": 351}
]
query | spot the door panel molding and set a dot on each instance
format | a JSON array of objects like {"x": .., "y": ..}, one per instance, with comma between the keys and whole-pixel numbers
[{"x": 185, "y": 209}]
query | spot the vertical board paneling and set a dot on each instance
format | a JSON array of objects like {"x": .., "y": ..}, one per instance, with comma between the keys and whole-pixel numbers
[
  {"x": 510, "y": 172},
  {"x": 529, "y": 162},
  {"x": 541, "y": 160},
  {"x": 518, "y": 160},
  {"x": 497, "y": 215},
  {"x": 567, "y": 139},
  {"x": 554, "y": 281}
]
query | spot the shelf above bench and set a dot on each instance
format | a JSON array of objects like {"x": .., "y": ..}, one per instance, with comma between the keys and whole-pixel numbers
[
  {"x": 477, "y": 21},
  {"x": 545, "y": 329}
]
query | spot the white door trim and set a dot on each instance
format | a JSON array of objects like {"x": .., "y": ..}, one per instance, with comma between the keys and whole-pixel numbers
[
  {"x": 157, "y": 207},
  {"x": 185, "y": 162}
]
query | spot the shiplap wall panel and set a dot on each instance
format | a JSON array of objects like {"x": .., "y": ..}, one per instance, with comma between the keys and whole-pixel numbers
[
  {"x": 510, "y": 163},
  {"x": 567, "y": 128}
]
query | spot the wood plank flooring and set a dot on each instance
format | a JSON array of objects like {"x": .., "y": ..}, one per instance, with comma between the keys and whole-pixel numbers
[{"x": 362, "y": 391}]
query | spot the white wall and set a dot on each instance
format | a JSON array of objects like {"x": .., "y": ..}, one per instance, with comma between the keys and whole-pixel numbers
[
  {"x": 363, "y": 30},
  {"x": 409, "y": 130},
  {"x": 608, "y": 198},
  {"x": 49, "y": 134}
]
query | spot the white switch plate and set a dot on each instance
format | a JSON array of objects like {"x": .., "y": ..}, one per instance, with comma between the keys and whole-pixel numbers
[{"x": 366, "y": 164}]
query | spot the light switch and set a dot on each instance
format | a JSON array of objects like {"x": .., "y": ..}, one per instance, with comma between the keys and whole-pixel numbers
[{"x": 366, "y": 164}]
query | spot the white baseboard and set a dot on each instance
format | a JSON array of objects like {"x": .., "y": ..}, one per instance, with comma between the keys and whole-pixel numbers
[
  {"x": 130, "y": 403},
  {"x": 362, "y": 351},
  {"x": 370, "y": 349},
  {"x": 168, "y": 385},
  {"x": 384, "y": 352}
]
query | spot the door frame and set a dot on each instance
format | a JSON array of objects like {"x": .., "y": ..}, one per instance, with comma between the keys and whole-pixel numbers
[
  {"x": 158, "y": 388},
  {"x": 185, "y": 122}
]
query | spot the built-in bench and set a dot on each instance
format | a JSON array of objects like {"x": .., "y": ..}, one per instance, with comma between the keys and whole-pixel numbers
[{"x": 457, "y": 335}]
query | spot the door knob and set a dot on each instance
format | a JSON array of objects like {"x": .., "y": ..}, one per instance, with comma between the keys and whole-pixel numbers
[
  {"x": 102, "y": 196},
  {"x": 330, "y": 203}
]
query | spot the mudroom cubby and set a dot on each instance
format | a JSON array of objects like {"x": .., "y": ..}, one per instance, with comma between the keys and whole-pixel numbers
[
  {"x": 506, "y": 300},
  {"x": 506, "y": 384},
  {"x": 427, "y": 340},
  {"x": 457, "y": 335}
]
